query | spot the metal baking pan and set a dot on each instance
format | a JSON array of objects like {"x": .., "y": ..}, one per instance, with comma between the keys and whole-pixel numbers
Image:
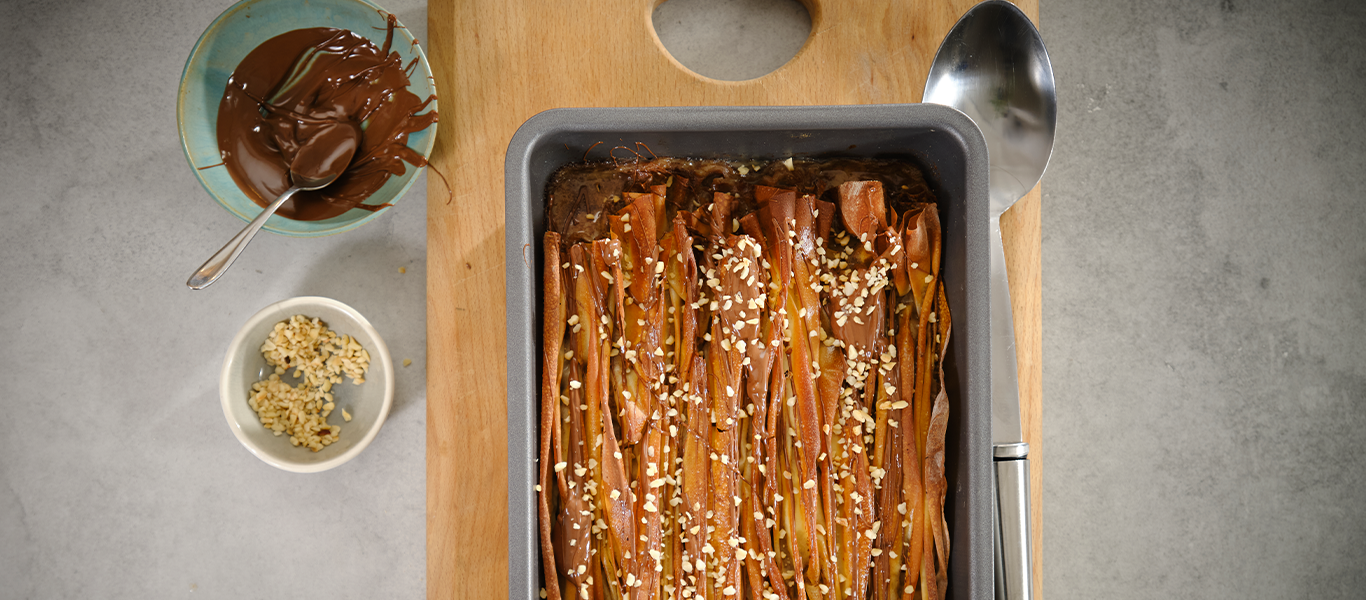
[{"x": 942, "y": 141}]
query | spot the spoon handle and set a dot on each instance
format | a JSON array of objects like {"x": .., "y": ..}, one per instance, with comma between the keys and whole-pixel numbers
[
  {"x": 1014, "y": 559},
  {"x": 213, "y": 268},
  {"x": 1014, "y": 555}
]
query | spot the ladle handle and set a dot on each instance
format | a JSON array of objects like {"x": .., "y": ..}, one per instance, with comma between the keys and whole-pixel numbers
[
  {"x": 1011, "y": 454},
  {"x": 213, "y": 268}
]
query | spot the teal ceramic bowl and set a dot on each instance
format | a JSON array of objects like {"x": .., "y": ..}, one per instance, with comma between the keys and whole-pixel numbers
[{"x": 233, "y": 35}]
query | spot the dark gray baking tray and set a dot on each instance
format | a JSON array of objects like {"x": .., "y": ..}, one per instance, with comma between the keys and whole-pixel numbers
[{"x": 944, "y": 142}]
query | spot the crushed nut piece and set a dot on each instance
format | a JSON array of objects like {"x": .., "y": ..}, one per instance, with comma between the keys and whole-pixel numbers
[{"x": 321, "y": 358}]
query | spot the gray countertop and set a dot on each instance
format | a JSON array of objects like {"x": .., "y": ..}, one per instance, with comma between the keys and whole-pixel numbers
[
  {"x": 1204, "y": 313},
  {"x": 119, "y": 477}
]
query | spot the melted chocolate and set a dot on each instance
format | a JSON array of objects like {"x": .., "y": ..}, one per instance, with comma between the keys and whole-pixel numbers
[
  {"x": 307, "y": 83},
  {"x": 582, "y": 195}
]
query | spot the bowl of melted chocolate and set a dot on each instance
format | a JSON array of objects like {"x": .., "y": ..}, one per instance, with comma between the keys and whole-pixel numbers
[{"x": 270, "y": 75}]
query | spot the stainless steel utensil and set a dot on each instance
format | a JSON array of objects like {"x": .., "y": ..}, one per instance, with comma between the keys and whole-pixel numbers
[
  {"x": 993, "y": 67},
  {"x": 318, "y": 163}
]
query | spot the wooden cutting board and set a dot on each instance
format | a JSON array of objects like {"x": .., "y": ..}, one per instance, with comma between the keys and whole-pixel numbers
[{"x": 498, "y": 62}]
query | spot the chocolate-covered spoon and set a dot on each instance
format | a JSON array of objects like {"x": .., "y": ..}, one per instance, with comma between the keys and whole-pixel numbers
[{"x": 318, "y": 163}]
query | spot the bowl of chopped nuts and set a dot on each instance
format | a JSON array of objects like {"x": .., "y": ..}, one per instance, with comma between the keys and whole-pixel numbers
[{"x": 306, "y": 384}]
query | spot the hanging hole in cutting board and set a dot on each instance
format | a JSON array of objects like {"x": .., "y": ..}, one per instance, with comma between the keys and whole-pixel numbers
[{"x": 732, "y": 40}]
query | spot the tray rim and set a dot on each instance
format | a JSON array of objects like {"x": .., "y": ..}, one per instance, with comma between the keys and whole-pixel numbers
[{"x": 522, "y": 378}]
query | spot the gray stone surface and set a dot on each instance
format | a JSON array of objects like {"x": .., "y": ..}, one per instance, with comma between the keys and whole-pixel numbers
[
  {"x": 732, "y": 40},
  {"x": 1204, "y": 290},
  {"x": 1204, "y": 264},
  {"x": 118, "y": 475}
]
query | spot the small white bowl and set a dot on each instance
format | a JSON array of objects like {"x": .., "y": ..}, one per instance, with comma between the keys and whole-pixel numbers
[{"x": 368, "y": 402}]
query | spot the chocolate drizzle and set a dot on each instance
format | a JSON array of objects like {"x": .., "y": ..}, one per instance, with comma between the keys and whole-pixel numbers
[
  {"x": 580, "y": 193},
  {"x": 305, "y": 82}
]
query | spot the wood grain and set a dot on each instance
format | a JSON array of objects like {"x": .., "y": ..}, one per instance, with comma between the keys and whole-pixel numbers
[{"x": 497, "y": 63}]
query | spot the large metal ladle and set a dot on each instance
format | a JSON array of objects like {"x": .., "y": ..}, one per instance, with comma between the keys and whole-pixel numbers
[{"x": 993, "y": 67}]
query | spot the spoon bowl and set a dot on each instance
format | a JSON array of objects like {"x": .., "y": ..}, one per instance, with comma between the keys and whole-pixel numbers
[
  {"x": 994, "y": 68},
  {"x": 326, "y": 155}
]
